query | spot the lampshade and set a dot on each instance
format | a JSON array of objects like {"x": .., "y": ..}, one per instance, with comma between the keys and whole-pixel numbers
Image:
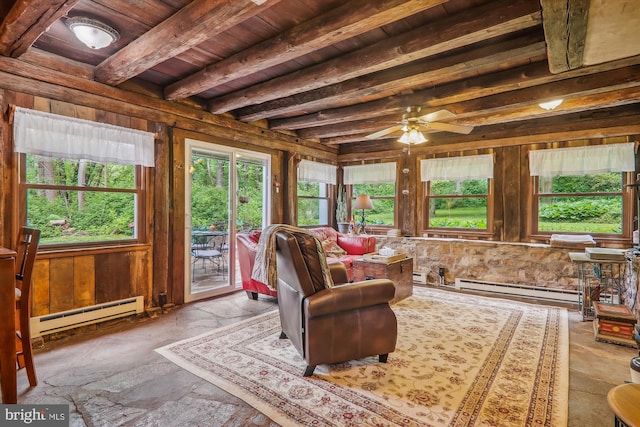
[
  {"x": 412, "y": 136},
  {"x": 550, "y": 105},
  {"x": 92, "y": 33},
  {"x": 363, "y": 201}
]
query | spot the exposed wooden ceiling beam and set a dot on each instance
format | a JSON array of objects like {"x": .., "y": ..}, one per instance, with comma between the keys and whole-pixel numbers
[
  {"x": 446, "y": 96},
  {"x": 26, "y": 21},
  {"x": 596, "y": 124},
  {"x": 348, "y": 20},
  {"x": 463, "y": 29},
  {"x": 603, "y": 124},
  {"x": 424, "y": 73},
  {"x": 347, "y": 139},
  {"x": 591, "y": 100},
  {"x": 190, "y": 26},
  {"x": 565, "y": 29},
  {"x": 607, "y": 89}
]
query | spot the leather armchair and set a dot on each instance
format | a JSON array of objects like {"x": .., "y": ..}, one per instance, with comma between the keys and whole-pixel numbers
[{"x": 330, "y": 324}]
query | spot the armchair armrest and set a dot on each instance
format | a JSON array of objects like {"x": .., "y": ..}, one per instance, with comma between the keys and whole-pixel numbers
[
  {"x": 348, "y": 297},
  {"x": 339, "y": 273}
]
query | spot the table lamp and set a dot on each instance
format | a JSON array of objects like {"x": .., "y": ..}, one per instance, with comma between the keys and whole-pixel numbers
[{"x": 363, "y": 201}]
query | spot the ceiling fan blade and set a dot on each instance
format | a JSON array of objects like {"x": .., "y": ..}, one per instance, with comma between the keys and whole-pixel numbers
[
  {"x": 384, "y": 132},
  {"x": 450, "y": 127},
  {"x": 437, "y": 115}
]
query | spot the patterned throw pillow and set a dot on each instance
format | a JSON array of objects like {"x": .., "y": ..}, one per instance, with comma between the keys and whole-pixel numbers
[{"x": 332, "y": 249}]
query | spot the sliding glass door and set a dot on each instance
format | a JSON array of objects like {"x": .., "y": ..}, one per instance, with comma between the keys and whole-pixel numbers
[{"x": 226, "y": 193}]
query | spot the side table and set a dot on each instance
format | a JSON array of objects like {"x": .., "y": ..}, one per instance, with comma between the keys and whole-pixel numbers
[
  {"x": 400, "y": 272},
  {"x": 623, "y": 401}
]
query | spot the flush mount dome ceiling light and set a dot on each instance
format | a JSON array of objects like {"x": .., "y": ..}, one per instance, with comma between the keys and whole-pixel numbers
[
  {"x": 550, "y": 105},
  {"x": 92, "y": 33}
]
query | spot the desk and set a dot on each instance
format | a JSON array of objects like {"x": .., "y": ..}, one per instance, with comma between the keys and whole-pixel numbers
[
  {"x": 8, "y": 326},
  {"x": 623, "y": 401}
]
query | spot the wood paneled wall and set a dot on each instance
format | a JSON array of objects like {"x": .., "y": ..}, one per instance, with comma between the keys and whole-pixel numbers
[{"x": 67, "y": 281}]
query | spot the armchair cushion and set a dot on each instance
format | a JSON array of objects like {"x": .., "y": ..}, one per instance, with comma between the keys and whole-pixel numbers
[{"x": 349, "y": 297}]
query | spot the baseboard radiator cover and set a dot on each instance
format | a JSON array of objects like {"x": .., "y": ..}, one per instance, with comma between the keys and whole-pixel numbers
[
  {"x": 523, "y": 291},
  {"x": 62, "y": 321}
]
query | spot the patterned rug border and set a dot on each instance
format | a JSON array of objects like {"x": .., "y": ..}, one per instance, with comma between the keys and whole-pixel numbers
[{"x": 561, "y": 371}]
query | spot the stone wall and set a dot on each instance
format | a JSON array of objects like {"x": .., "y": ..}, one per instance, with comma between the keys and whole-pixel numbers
[{"x": 513, "y": 263}]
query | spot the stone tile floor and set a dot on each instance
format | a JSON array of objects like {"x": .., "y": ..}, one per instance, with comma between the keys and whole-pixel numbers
[{"x": 112, "y": 377}]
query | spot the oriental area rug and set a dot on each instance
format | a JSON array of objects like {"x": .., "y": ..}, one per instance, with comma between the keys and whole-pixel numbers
[{"x": 460, "y": 360}]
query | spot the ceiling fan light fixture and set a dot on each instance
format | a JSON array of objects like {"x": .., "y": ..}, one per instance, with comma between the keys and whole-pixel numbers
[
  {"x": 412, "y": 137},
  {"x": 550, "y": 105},
  {"x": 94, "y": 34}
]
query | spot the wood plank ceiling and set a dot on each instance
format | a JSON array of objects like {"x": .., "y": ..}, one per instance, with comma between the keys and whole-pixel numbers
[{"x": 335, "y": 71}]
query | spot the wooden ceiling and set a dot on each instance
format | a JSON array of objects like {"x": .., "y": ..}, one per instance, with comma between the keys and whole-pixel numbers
[{"x": 334, "y": 71}]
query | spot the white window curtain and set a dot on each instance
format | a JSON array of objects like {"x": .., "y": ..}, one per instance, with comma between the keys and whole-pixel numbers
[
  {"x": 370, "y": 174},
  {"x": 52, "y": 135},
  {"x": 316, "y": 172},
  {"x": 457, "y": 168},
  {"x": 582, "y": 160}
]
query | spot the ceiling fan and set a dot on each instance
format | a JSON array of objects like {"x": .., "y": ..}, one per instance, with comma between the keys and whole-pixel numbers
[{"x": 413, "y": 124}]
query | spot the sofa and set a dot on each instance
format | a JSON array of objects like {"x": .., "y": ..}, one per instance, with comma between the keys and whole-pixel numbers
[{"x": 338, "y": 247}]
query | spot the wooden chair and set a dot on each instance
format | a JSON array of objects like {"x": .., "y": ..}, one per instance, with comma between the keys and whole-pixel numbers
[{"x": 26, "y": 250}]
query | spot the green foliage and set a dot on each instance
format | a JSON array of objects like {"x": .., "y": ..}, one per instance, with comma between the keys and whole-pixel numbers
[
  {"x": 458, "y": 223},
  {"x": 466, "y": 217},
  {"x": 470, "y": 187},
  {"x": 210, "y": 193},
  {"x": 606, "y": 209},
  {"x": 610, "y": 182},
  {"x": 90, "y": 215}
]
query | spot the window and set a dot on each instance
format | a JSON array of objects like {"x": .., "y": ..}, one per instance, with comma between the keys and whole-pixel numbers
[
  {"x": 313, "y": 203},
  {"x": 378, "y": 181},
  {"x": 581, "y": 189},
  {"x": 383, "y": 199},
  {"x": 457, "y": 192},
  {"x": 315, "y": 188},
  {"x": 82, "y": 180},
  {"x": 591, "y": 203},
  {"x": 79, "y": 201}
]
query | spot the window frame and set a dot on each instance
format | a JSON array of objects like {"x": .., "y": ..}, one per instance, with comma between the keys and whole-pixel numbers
[
  {"x": 628, "y": 207},
  {"x": 451, "y": 231},
  {"x": 140, "y": 199}
]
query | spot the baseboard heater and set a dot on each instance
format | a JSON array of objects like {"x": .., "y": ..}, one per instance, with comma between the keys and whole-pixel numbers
[
  {"x": 524, "y": 291},
  {"x": 420, "y": 278},
  {"x": 62, "y": 321}
]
